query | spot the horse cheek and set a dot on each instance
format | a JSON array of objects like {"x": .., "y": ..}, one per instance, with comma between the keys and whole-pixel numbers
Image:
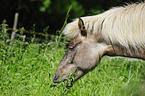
[{"x": 86, "y": 60}]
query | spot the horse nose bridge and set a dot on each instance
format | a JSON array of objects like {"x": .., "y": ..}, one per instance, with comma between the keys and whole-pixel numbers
[{"x": 63, "y": 63}]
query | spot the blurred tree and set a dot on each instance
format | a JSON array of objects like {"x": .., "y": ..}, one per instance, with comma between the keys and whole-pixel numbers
[
  {"x": 45, "y": 5},
  {"x": 52, "y": 12}
]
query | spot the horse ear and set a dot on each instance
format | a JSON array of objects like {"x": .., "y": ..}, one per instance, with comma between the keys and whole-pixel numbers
[{"x": 82, "y": 27}]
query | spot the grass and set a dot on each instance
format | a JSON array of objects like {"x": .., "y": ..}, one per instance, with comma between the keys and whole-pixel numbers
[{"x": 26, "y": 68}]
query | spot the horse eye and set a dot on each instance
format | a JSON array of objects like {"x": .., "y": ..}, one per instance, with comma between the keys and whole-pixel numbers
[{"x": 71, "y": 47}]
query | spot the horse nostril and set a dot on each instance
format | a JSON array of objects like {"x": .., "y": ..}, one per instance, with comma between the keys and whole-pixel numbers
[{"x": 56, "y": 76}]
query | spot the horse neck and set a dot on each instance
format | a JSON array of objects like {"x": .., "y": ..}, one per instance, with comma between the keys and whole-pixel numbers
[{"x": 130, "y": 52}]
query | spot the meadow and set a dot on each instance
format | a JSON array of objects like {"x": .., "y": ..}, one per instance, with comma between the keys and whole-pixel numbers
[{"x": 27, "y": 68}]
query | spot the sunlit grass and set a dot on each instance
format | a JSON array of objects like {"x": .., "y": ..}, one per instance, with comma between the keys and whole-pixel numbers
[{"x": 27, "y": 68}]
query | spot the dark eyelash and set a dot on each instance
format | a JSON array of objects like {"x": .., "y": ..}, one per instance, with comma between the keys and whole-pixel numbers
[{"x": 73, "y": 46}]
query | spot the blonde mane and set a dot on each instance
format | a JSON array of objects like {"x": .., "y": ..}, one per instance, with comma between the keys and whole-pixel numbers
[{"x": 120, "y": 25}]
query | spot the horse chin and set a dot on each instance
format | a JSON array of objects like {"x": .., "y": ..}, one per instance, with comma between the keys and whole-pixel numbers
[{"x": 69, "y": 82}]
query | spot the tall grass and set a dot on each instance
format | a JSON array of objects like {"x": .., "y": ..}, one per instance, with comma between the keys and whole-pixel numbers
[{"x": 26, "y": 68}]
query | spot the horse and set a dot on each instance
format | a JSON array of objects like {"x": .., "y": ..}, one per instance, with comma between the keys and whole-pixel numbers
[{"x": 119, "y": 31}]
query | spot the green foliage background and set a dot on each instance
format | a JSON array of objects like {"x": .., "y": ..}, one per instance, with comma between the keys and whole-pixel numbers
[{"x": 51, "y": 13}]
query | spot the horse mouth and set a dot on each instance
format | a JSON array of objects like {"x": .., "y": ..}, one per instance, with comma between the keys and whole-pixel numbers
[{"x": 64, "y": 78}]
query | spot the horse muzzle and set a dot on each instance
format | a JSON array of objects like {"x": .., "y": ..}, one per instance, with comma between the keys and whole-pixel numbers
[{"x": 57, "y": 79}]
